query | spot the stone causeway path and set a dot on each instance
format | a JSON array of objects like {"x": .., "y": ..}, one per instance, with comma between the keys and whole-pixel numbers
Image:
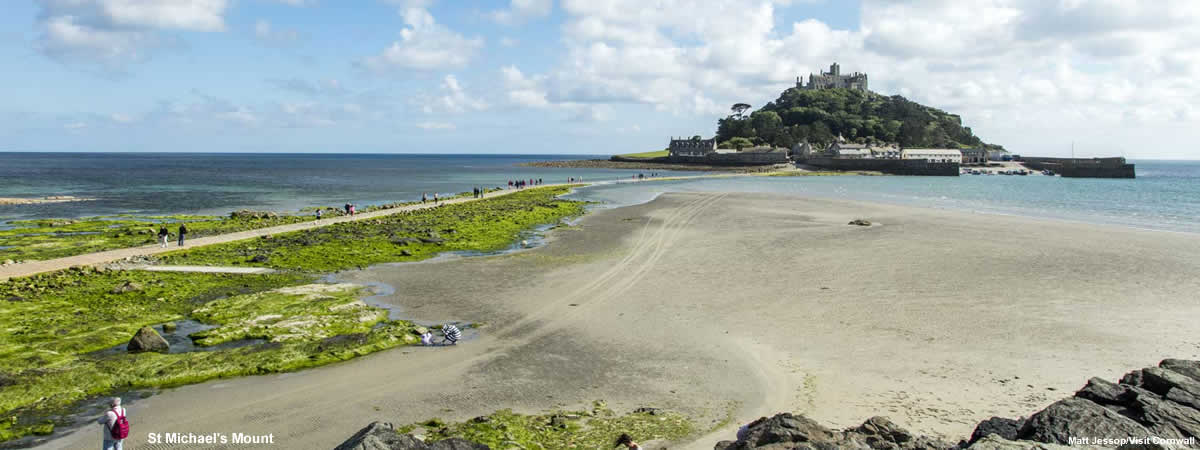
[{"x": 35, "y": 267}]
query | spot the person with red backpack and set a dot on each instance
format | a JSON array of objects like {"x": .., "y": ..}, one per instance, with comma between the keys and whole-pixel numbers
[{"x": 116, "y": 426}]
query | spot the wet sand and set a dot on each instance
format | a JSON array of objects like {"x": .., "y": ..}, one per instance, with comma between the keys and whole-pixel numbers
[{"x": 731, "y": 306}]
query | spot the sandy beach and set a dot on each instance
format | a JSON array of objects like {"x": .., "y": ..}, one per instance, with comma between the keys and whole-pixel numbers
[{"x": 727, "y": 307}]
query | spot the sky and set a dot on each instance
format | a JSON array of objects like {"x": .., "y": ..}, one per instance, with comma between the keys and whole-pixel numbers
[{"x": 1111, "y": 77}]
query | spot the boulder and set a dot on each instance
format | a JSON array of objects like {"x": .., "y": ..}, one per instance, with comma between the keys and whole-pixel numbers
[
  {"x": 405, "y": 252},
  {"x": 1079, "y": 417},
  {"x": 404, "y": 241},
  {"x": 147, "y": 340},
  {"x": 127, "y": 286},
  {"x": 169, "y": 327},
  {"x": 860, "y": 222},
  {"x": 995, "y": 442},
  {"x": 786, "y": 431},
  {"x": 1168, "y": 419},
  {"x": 1160, "y": 381},
  {"x": 383, "y": 436},
  {"x": 260, "y": 259},
  {"x": 1105, "y": 393},
  {"x": 1184, "y": 398},
  {"x": 1191, "y": 369},
  {"x": 998, "y": 426}
]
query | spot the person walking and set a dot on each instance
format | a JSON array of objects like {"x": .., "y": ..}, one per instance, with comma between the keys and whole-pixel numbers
[
  {"x": 114, "y": 425},
  {"x": 163, "y": 234},
  {"x": 424, "y": 197},
  {"x": 182, "y": 233},
  {"x": 435, "y": 198},
  {"x": 353, "y": 209},
  {"x": 318, "y": 214}
]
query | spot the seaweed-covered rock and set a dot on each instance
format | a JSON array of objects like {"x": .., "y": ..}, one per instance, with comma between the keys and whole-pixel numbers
[
  {"x": 249, "y": 214},
  {"x": 169, "y": 327},
  {"x": 383, "y": 436},
  {"x": 147, "y": 340},
  {"x": 260, "y": 259},
  {"x": 127, "y": 286}
]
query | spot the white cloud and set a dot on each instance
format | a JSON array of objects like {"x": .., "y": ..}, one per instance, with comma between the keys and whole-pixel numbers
[
  {"x": 112, "y": 33},
  {"x": 266, "y": 33},
  {"x": 435, "y": 126},
  {"x": 425, "y": 45},
  {"x": 522, "y": 10},
  {"x": 454, "y": 99},
  {"x": 1014, "y": 69},
  {"x": 121, "y": 118}
]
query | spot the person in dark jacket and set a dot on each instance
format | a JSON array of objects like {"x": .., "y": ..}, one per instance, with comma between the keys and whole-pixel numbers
[
  {"x": 182, "y": 232},
  {"x": 163, "y": 234}
]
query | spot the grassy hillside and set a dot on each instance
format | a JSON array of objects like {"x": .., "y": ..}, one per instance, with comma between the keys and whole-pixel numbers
[{"x": 822, "y": 115}]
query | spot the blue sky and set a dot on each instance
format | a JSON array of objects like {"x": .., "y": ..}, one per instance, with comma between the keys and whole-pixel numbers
[{"x": 576, "y": 76}]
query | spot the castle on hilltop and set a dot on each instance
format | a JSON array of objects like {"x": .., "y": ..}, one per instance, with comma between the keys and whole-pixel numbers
[{"x": 834, "y": 79}]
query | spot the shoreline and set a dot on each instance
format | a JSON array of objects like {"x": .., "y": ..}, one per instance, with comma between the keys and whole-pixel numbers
[
  {"x": 10, "y": 201},
  {"x": 849, "y": 330}
]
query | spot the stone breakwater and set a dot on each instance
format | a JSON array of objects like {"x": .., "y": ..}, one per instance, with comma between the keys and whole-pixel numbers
[{"x": 1151, "y": 408}]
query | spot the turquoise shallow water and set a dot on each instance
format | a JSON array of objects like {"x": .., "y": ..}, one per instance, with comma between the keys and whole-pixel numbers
[
  {"x": 1165, "y": 196},
  {"x": 171, "y": 183}
]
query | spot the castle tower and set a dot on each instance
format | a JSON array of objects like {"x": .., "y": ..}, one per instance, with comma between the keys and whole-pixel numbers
[{"x": 835, "y": 70}]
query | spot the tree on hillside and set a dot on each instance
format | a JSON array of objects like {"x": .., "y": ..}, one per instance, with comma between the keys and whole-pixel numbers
[{"x": 739, "y": 109}]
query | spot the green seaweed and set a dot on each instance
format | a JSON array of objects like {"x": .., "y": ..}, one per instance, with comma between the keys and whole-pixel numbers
[
  {"x": 62, "y": 333},
  {"x": 299, "y": 313},
  {"x": 597, "y": 428},
  {"x": 41, "y": 239},
  {"x": 482, "y": 226}
]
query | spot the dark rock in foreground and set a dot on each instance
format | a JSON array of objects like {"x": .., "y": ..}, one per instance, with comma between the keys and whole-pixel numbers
[
  {"x": 1147, "y": 406},
  {"x": 147, "y": 340},
  {"x": 786, "y": 432},
  {"x": 383, "y": 436}
]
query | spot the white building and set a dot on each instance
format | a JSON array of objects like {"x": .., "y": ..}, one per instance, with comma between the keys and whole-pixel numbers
[{"x": 936, "y": 155}]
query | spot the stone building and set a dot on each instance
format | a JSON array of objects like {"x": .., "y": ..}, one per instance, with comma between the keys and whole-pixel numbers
[
  {"x": 834, "y": 79},
  {"x": 974, "y": 156},
  {"x": 935, "y": 155},
  {"x": 691, "y": 148}
]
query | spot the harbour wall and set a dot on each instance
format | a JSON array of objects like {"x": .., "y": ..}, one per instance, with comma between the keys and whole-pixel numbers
[
  {"x": 1083, "y": 167},
  {"x": 889, "y": 166}
]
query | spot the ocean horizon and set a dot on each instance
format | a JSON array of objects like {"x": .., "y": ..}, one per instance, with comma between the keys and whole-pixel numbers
[{"x": 1165, "y": 196}]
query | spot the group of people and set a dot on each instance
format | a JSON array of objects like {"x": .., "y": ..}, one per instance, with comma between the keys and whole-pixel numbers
[
  {"x": 574, "y": 180},
  {"x": 425, "y": 198},
  {"x": 351, "y": 209},
  {"x": 450, "y": 336},
  {"x": 479, "y": 192},
  {"x": 519, "y": 184},
  {"x": 164, "y": 235}
]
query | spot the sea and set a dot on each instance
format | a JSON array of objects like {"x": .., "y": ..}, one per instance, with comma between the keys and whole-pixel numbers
[{"x": 1164, "y": 196}]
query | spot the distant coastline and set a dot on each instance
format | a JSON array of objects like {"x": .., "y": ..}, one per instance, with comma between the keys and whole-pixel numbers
[
  {"x": 610, "y": 164},
  {"x": 40, "y": 200}
]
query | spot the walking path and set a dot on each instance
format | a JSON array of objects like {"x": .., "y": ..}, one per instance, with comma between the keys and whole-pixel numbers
[
  {"x": 50, "y": 265},
  {"x": 204, "y": 269}
]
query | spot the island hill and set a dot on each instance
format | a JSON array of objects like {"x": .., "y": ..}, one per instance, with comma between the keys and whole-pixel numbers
[{"x": 835, "y": 122}]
